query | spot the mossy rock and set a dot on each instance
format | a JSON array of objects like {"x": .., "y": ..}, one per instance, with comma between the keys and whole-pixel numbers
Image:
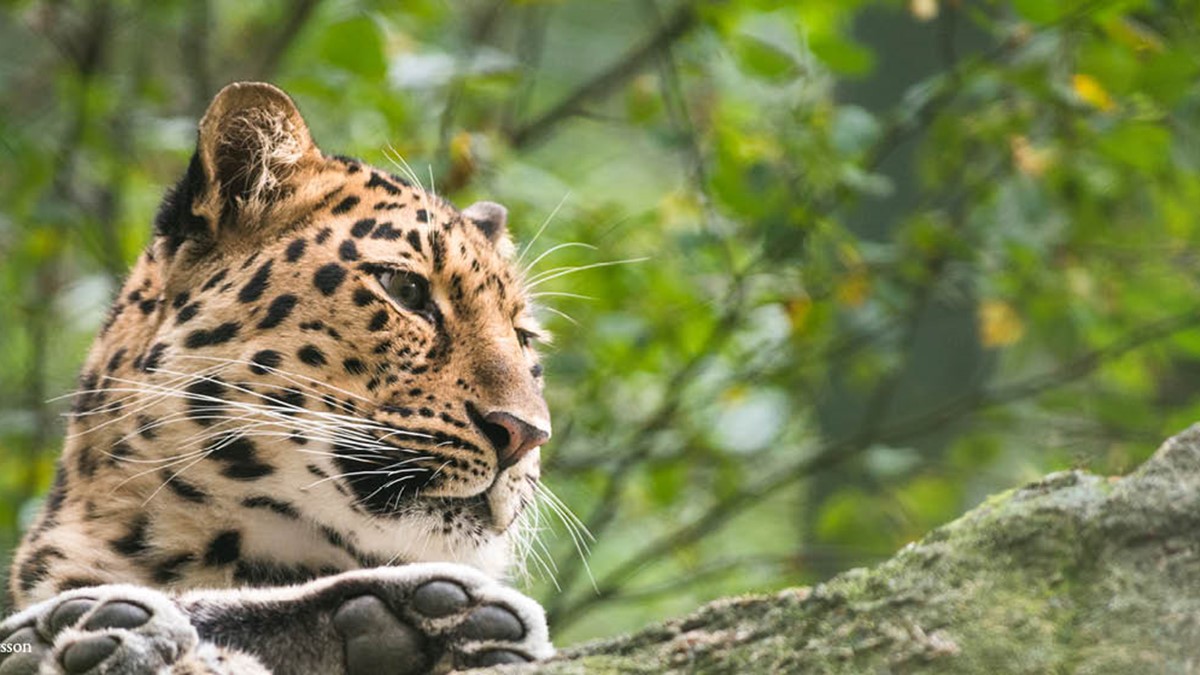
[{"x": 1074, "y": 573}]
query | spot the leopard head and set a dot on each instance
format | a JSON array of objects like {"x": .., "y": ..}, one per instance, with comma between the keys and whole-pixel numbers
[{"x": 334, "y": 336}]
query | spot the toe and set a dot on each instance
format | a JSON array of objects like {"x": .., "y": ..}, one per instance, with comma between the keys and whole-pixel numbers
[
  {"x": 118, "y": 614},
  {"x": 496, "y": 657},
  {"x": 440, "y": 598},
  {"x": 21, "y": 652},
  {"x": 88, "y": 653},
  {"x": 66, "y": 614},
  {"x": 492, "y": 622},
  {"x": 376, "y": 641}
]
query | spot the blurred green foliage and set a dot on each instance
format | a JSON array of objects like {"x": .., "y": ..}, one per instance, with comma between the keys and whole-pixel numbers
[{"x": 898, "y": 255}]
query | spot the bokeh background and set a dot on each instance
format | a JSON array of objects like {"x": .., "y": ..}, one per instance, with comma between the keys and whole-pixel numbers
[{"x": 823, "y": 274}]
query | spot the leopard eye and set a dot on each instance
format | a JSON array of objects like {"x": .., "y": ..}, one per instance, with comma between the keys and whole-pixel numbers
[
  {"x": 526, "y": 337},
  {"x": 408, "y": 289}
]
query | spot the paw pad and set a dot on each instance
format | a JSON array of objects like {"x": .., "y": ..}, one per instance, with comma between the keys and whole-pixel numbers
[
  {"x": 66, "y": 614},
  {"x": 118, "y": 614},
  {"x": 86, "y": 654},
  {"x": 491, "y": 622},
  {"x": 376, "y": 641},
  {"x": 440, "y": 598}
]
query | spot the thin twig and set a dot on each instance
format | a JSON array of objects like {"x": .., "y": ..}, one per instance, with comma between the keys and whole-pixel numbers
[{"x": 675, "y": 27}]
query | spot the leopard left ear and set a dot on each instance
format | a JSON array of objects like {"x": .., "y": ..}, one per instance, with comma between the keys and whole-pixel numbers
[
  {"x": 491, "y": 219},
  {"x": 252, "y": 148}
]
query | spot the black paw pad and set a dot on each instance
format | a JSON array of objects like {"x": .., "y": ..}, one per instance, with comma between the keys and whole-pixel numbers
[
  {"x": 14, "y": 661},
  {"x": 491, "y": 622},
  {"x": 497, "y": 657},
  {"x": 86, "y": 654},
  {"x": 66, "y": 614},
  {"x": 440, "y": 598},
  {"x": 376, "y": 641},
  {"x": 118, "y": 615}
]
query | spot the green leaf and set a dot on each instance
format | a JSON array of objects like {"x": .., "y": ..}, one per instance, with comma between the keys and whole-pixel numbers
[{"x": 355, "y": 45}]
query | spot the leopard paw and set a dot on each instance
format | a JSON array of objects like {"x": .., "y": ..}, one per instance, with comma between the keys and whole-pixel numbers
[
  {"x": 91, "y": 631},
  {"x": 405, "y": 620}
]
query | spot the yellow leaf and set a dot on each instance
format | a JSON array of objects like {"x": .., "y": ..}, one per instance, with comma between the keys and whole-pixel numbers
[
  {"x": 1092, "y": 92},
  {"x": 923, "y": 10},
  {"x": 1029, "y": 160},
  {"x": 799, "y": 310},
  {"x": 854, "y": 288},
  {"x": 999, "y": 324}
]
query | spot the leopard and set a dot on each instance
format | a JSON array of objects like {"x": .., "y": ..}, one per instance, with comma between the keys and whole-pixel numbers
[{"x": 306, "y": 436}]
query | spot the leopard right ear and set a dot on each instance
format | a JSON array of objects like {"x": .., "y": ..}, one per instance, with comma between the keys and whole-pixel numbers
[{"x": 253, "y": 146}]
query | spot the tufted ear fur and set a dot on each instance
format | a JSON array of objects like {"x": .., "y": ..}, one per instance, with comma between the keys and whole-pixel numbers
[
  {"x": 491, "y": 219},
  {"x": 253, "y": 145}
]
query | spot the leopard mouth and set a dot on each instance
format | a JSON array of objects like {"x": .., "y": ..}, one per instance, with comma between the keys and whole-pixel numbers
[{"x": 392, "y": 488}]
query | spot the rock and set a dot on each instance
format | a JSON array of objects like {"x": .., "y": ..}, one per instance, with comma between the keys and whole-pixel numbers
[{"x": 1073, "y": 573}]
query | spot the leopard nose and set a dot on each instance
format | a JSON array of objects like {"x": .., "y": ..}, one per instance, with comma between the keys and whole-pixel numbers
[{"x": 512, "y": 436}]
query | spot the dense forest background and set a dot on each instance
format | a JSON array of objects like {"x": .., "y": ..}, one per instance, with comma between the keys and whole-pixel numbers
[{"x": 822, "y": 274}]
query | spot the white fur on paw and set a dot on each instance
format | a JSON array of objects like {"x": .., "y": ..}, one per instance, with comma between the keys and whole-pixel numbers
[{"x": 111, "y": 629}]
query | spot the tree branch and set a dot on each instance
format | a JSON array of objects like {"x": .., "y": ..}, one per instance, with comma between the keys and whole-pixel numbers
[
  {"x": 675, "y": 27},
  {"x": 838, "y": 451}
]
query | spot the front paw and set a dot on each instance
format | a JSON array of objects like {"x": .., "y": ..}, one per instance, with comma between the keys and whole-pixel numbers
[
  {"x": 403, "y": 620},
  {"x": 105, "y": 629},
  {"x": 435, "y": 618}
]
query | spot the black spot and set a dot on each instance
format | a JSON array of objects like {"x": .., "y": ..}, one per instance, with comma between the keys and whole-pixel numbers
[
  {"x": 345, "y": 205},
  {"x": 187, "y": 313},
  {"x": 363, "y": 297},
  {"x": 329, "y": 277},
  {"x": 55, "y": 498},
  {"x": 264, "y": 502},
  {"x": 148, "y": 306},
  {"x": 254, "y": 288},
  {"x": 224, "y": 548},
  {"x": 311, "y": 355},
  {"x": 170, "y": 569},
  {"x": 378, "y": 321},
  {"x": 240, "y": 457},
  {"x": 183, "y": 489},
  {"x": 289, "y": 401},
  {"x": 201, "y": 405},
  {"x": 348, "y": 251},
  {"x": 323, "y": 235},
  {"x": 279, "y": 310},
  {"x": 134, "y": 542},
  {"x": 35, "y": 568},
  {"x": 264, "y": 360},
  {"x": 147, "y": 427},
  {"x": 154, "y": 358},
  {"x": 296, "y": 249},
  {"x": 115, "y": 362},
  {"x": 354, "y": 366},
  {"x": 263, "y": 573},
  {"x": 378, "y": 181},
  {"x": 71, "y": 583},
  {"x": 119, "y": 451},
  {"x": 85, "y": 461},
  {"x": 386, "y": 232},
  {"x": 362, "y": 228},
  {"x": 422, "y": 216},
  {"x": 215, "y": 336},
  {"x": 215, "y": 279},
  {"x": 181, "y": 299},
  {"x": 414, "y": 240}
]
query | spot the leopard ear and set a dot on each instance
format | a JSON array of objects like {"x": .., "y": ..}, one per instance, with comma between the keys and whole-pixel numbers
[
  {"x": 491, "y": 219},
  {"x": 252, "y": 146}
]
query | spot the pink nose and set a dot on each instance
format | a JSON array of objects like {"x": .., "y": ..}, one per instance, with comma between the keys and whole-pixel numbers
[{"x": 512, "y": 437}]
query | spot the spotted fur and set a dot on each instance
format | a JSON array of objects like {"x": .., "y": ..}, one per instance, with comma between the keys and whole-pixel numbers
[{"x": 259, "y": 410}]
